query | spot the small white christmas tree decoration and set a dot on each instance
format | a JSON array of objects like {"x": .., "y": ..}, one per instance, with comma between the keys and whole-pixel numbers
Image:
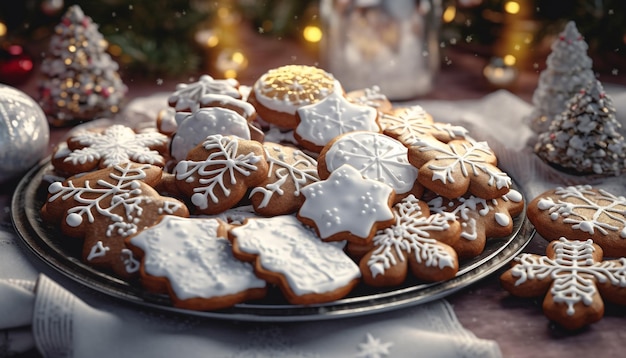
[
  {"x": 80, "y": 80},
  {"x": 585, "y": 138},
  {"x": 568, "y": 70}
]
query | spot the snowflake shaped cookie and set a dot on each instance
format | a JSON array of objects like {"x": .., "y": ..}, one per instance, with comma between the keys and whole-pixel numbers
[
  {"x": 376, "y": 156},
  {"x": 458, "y": 167},
  {"x": 575, "y": 278},
  {"x": 582, "y": 212},
  {"x": 287, "y": 253},
  {"x": 320, "y": 122},
  {"x": 407, "y": 124},
  {"x": 106, "y": 206},
  {"x": 88, "y": 150},
  {"x": 417, "y": 242},
  {"x": 192, "y": 260},
  {"x": 347, "y": 206},
  {"x": 219, "y": 171},
  {"x": 187, "y": 96},
  {"x": 480, "y": 218},
  {"x": 290, "y": 170}
]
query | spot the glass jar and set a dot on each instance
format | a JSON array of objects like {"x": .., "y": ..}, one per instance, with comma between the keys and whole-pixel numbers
[{"x": 392, "y": 44}]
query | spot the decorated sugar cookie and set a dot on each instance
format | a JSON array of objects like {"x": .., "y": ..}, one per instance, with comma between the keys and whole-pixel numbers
[
  {"x": 347, "y": 206},
  {"x": 458, "y": 167},
  {"x": 376, "y": 156},
  {"x": 320, "y": 122},
  {"x": 574, "y": 279},
  {"x": 219, "y": 171},
  {"x": 187, "y": 96},
  {"x": 407, "y": 124},
  {"x": 417, "y": 242},
  {"x": 372, "y": 97},
  {"x": 192, "y": 260},
  {"x": 290, "y": 170},
  {"x": 279, "y": 92},
  {"x": 104, "y": 207},
  {"x": 290, "y": 255},
  {"x": 480, "y": 218},
  {"x": 579, "y": 213},
  {"x": 96, "y": 149}
]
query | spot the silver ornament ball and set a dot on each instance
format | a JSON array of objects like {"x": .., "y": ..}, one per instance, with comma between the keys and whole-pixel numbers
[{"x": 24, "y": 133}]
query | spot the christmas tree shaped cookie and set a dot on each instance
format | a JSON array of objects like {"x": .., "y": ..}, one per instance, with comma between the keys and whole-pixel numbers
[
  {"x": 568, "y": 69},
  {"x": 585, "y": 138},
  {"x": 80, "y": 80}
]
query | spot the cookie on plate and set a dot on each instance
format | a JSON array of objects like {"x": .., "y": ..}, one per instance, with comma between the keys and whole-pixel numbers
[
  {"x": 581, "y": 212},
  {"x": 288, "y": 254},
  {"x": 187, "y": 96},
  {"x": 372, "y": 97},
  {"x": 407, "y": 124},
  {"x": 192, "y": 261}
]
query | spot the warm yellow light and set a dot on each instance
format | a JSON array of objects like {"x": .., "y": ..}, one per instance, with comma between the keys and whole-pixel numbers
[
  {"x": 115, "y": 50},
  {"x": 238, "y": 58},
  {"x": 509, "y": 60},
  {"x": 449, "y": 14},
  {"x": 3, "y": 29},
  {"x": 230, "y": 74},
  {"x": 212, "y": 41},
  {"x": 312, "y": 33},
  {"x": 512, "y": 7}
]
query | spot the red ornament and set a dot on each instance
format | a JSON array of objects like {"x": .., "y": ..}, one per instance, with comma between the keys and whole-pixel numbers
[
  {"x": 552, "y": 136},
  {"x": 16, "y": 66}
]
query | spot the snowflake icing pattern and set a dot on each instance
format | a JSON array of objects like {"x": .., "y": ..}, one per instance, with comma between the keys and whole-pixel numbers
[
  {"x": 116, "y": 145},
  {"x": 218, "y": 170},
  {"x": 188, "y": 95},
  {"x": 411, "y": 123}
]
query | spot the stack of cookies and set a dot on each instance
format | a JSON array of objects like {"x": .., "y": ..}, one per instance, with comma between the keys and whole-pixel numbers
[{"x": 292, "y": 183}]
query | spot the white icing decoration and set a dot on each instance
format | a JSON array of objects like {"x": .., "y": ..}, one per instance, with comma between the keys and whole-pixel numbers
[
  {"x": 413, "y": 123},
  {"x": 97, "y": 250},
  {"x": 188, "y": 95},
  {"x": 573, "y": 271},
  {"x": 376, "y": 156},
  {"x": 247, "y": 109},
  {"x": 195, "y": 260},
  {"x": 116, "y": 145},
  {"x": 371, "y": 96},
  {"x": 284, "y": 245},
  {"x": 197, "y": 126},
  {"x": 608, "y": 211},
  {"x": 131, "y": 264},
  {"x": 374, "y": 348},
  {"x": 346, "y": 202},
  {"x": 301, "y": 170},
  {"x": 217, "y": 170},
  {"x": 334, "y": 115},
  {"x": 502, "y": 219},
  {"x": 411, "y": 235}
]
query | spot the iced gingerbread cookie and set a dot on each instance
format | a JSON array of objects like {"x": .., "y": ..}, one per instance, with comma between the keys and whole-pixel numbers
[
  {"x": 187, "y": 96},
  {"x": 574, "y": 279},
  {"x": 347, "y": 206},
  {"x": 192, "y": 261},
  {"x": 417, "y": 242},
  {"x": 479, "y": 218},
  {"x": 376, "y": 156},
  {"x": 104, "y": 207},
  {"x": 218, "y": 172},
  {"x": 320, "y": 122},
  {"x": 288, "y": 254},
  {"x": 96, "y": 149},
  {"x": 194, "y": 128},
  {"x": 580, "y": 213},
  {"x": 279, "y": 92},
  {"x": 371, "y": 97},
  {"x": 407, "y": 124},
  {"x": 458, "y": 167},
  {"x": 290, "y": 170}
]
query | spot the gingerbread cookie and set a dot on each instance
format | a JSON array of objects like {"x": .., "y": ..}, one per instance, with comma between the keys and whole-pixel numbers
[
  {"x": 219, "y": 171},
  {"x": 479, "y": 218},
  {"x": 372, "y": 97},
  {"x": 376, "y": 156},
  {"x": 581, "y": 212},
  {"x": 288, "y": 254},
  {"x": 279, "y": 92},
  {"x": 96, "y": 149},
  {"x": 417, "y": 242},
  {"x": 320, "y": 122},
  {"x": 192, "y": 260},
  {"x": 187, "y": 96},
  {"x": 347, "y": 206},
  {"x": 290, "y": 170},
  {"x": 458, "y": 167},
  {"x": 104, "y": 207},
  {"x": 574, "y": 279},
  {"x": 241, "y": 107},
  {"x": 407, "y": 124}
]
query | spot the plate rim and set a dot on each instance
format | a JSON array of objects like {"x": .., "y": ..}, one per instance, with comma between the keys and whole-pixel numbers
[{"x": 30, "y": 228}]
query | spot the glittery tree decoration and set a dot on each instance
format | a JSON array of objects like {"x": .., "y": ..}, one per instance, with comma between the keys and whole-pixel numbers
[
  {"x": 568, "y": 69},
  {"x": 585, "y": 138},
  {"x": 80, "y": 80}
]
